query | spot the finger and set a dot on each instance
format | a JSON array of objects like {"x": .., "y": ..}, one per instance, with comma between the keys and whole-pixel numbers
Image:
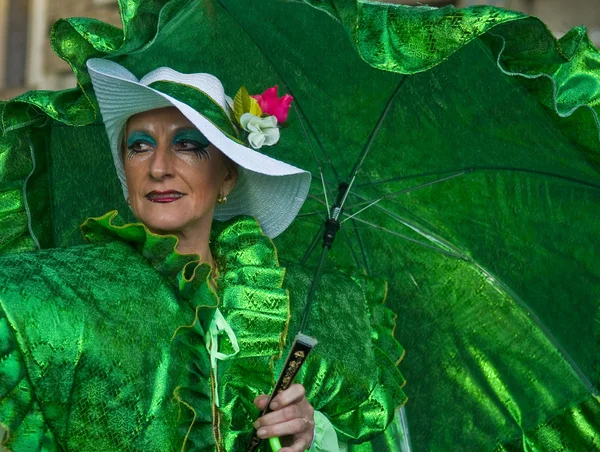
[
  {"x": 261, "y": 402},
  {"x": 293, "y": 394},
  {"x": 294, "y": 427},
  {"x": 282, "y": 415}
]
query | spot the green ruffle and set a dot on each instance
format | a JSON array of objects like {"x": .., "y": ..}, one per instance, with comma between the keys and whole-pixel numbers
[
  {"x": 257, "y": 308},
  {"x": 560, "y": 74},
  {"x": 186, "y": 272},
  {"x": 71, "y": 377}
]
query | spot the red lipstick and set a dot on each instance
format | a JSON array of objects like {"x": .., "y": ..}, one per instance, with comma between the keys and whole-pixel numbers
[{"x": 164, "y": 196}]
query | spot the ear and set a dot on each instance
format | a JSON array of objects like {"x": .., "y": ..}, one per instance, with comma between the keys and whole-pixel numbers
[{"x": 230, "y": 180}]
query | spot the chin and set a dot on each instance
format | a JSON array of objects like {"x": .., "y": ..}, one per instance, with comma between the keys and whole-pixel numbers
[
  {"x": 169, "y": 218},
  {"x": 164, "y": 222},
  {"x": 164, "y": 226}
]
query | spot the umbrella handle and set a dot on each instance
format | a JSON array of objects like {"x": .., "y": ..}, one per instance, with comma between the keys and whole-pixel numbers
[
  {"x": 301, "y": 347},
  {"x": 276, "y": 444}
]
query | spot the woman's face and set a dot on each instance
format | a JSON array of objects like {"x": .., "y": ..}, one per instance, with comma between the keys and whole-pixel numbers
[{"x": 174, "y": 175}]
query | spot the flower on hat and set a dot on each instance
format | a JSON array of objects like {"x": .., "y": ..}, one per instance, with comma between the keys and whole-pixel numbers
[
  {"x": 261, "y": 124},
  {"x": 244, "y": 103},
  {"x": 261, "y": 131},
  {"x": 271, "y": 104}
]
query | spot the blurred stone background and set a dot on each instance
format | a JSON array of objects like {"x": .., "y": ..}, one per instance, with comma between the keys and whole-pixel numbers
[{"x": 27, "y": 61}]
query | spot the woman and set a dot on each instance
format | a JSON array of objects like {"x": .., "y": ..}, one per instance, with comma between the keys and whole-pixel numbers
[{"x": 114, "y": 348}]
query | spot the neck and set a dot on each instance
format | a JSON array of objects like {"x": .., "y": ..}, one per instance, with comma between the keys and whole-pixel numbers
[
  {"x": 195, "y": 240},
  {"x": 195, "y": 243}
]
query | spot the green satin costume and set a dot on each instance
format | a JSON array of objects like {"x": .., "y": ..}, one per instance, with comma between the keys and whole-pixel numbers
[{"x": 103, "y": 345}]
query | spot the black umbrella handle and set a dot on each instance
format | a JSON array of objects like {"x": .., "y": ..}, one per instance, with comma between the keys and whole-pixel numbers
[{"x": 302, "y": 346}]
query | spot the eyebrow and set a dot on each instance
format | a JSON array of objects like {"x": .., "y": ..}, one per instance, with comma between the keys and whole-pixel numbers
[
  {"x": 146, "y": 131},
  {"x": 150, "y": 132},
  {"x": 186, "y": 128}
]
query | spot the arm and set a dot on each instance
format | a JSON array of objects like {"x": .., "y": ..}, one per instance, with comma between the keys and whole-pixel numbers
[
  {"x": 325, "y": 439},
  {"x": 20, "y": 413},
  {"x": 351, "y": 376}
]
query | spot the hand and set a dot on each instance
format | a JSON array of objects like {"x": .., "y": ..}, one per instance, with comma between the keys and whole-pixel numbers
[{"x": 292, "y": 416}]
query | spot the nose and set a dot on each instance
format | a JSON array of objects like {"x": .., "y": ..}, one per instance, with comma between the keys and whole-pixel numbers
[{"x": 161, "y": 162}]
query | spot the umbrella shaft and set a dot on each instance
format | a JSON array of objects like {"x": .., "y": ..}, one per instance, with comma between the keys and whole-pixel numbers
[{"x": 313, "y": 288}]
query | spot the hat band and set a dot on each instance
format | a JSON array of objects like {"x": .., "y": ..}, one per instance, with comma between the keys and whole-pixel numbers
[{"x": 201, "y": 102}]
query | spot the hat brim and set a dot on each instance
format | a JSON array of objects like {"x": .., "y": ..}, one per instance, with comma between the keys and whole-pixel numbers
[{"x": 269, "y": 190}]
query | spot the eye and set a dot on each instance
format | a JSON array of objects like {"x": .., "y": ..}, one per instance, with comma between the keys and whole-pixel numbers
[
  {"x": 137, "y": 147},
  {"x": 200, "y": 149}
]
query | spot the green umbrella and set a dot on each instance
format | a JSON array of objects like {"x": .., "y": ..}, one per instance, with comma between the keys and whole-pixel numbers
[{"x": 464, "y": 144}]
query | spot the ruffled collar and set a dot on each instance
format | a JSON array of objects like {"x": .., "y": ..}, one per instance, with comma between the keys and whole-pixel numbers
[{"x": 186, "y": 272}]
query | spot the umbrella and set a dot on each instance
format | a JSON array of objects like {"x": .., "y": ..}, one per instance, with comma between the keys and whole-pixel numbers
[{"x": 458, "y": 150}]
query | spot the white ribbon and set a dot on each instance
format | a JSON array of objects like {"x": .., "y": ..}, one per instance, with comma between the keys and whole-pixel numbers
[{"x": 219, "y": 325}]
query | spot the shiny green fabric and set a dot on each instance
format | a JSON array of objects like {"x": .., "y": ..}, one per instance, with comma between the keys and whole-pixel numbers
[
  {"x": 494, "y": 272},
  {"x": 71, "y": 379}
]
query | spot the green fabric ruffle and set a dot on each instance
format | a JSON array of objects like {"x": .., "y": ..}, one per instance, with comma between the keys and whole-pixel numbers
[{"x": 561, "y": 73}]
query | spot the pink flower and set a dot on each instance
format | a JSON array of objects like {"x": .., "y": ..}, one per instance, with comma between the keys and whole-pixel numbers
[{"x": 270, "y": 104}]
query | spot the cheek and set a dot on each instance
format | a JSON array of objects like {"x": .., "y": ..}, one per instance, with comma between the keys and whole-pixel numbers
[
  {"x": 132, "y": 176},
  {"x": 205, "y": 178},
  {"x": 206, "y": 186}
]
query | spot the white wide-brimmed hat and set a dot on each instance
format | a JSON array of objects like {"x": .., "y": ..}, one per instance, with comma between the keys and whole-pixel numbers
[{"x": 267, "y": 189}]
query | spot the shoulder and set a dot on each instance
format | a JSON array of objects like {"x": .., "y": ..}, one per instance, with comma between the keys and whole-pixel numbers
[
  {"x": 85, "y": 287},
  {"x": 79, "y": 267}
]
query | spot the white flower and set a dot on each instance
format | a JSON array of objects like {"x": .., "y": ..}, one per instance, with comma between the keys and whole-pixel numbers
[{"x": 261, "y": 131}]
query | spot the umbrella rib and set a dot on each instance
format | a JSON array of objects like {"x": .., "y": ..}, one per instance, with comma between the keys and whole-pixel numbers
[
  {"x": 394, "y": 216},
  {"x": 429, "y": 235},
  {"x": 310, "y": 214},
  {"x": 315, "y": 198},
  {"x": 534, "y": 317},
  {"x": 325, "y": 194},
  {"x": 483, "y": 168},
  {"x": 296, "y": 104},
  {"x": 368, "y": 145},
  {"x": 362, "y": 250},
  {"x": 407, "y": 190},
  {"x": 410, "y": 239},
  {"x": 312, "y": 151},
  {"x": 400, "y": 178}
]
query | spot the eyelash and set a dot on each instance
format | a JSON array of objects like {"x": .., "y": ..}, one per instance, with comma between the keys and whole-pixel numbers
[{"x": 198, "y": 149}]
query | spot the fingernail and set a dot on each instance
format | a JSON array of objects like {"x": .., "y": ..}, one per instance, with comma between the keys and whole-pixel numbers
[
  {"x": 274, "y": 405},
  {"x": 262, "y": 432},
  {"x": 256, "y": 424}
]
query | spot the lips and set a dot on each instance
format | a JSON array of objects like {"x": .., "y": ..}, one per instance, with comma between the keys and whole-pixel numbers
[{"x": 164, "y": 196}]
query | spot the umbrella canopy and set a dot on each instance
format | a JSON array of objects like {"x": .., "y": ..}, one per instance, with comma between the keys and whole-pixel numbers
[{"x": 469, "y": 139}]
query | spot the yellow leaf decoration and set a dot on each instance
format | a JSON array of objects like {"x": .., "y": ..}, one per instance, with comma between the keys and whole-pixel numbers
[{"x": 243, "y": 103}]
